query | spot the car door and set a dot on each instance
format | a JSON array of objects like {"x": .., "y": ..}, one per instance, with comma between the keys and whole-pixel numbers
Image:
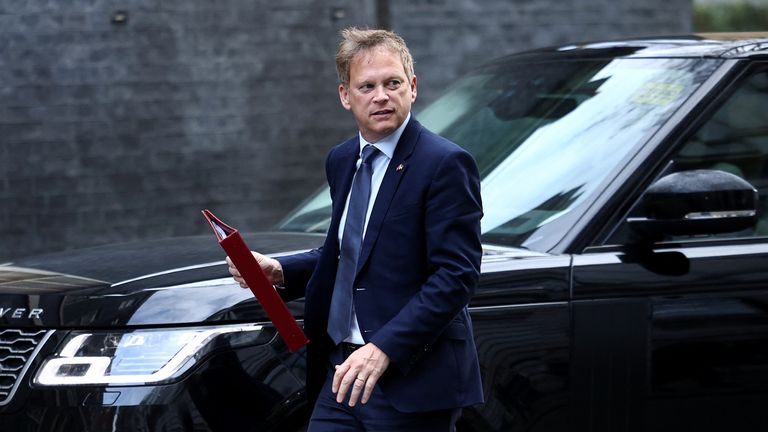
[
  {"x": 521, "y": 323},
  {"x": 674, "y": 336}
]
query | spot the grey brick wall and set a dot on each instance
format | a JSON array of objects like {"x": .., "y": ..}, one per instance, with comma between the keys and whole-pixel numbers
[
  {"x": 450, "y": 37},
  {"x": 122, "y": 131}
]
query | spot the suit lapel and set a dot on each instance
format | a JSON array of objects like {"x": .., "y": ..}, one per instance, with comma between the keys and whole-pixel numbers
[
  {"x": 395, "y": 173},
  {"x": 343, "y": 169}
]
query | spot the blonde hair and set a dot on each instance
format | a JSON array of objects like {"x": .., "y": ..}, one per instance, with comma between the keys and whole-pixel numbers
[{"x": 355, "y": 40}]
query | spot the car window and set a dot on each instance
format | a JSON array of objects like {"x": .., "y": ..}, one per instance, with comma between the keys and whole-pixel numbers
[
  {"x": 546, "y": 135},
  {"x": 735, "y": 140}
]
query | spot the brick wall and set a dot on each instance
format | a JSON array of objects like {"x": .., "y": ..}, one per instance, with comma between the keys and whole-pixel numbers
[
  {"x": 449, "y": 37},
  {"x": 118, "y": 127}
]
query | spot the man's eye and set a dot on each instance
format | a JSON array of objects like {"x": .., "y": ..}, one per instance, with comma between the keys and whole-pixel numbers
[
  {"x": 393, "y": 85},
  {"x": 366, "y": 88}
]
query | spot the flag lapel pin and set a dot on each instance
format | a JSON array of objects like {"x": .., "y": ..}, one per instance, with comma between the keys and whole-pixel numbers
[{"x": 400, "y": 168}]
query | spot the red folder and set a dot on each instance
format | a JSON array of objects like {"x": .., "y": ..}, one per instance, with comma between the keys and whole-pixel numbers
[{"x": 233, "y": 244}]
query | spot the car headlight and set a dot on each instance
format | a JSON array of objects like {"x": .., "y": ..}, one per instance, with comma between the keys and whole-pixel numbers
[{"x": 130, "y": 357}]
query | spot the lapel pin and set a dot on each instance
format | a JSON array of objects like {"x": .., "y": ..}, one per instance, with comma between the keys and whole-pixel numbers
[{"x": 400, "y": 168}]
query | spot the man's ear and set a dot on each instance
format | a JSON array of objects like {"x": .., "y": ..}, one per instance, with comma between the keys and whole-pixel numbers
[
  {"x": 344, "y": 97},
  {"x": 413, "y": 89}
]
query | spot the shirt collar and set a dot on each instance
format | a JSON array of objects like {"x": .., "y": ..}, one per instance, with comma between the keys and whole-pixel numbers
[{"x": 387, "y": 144}]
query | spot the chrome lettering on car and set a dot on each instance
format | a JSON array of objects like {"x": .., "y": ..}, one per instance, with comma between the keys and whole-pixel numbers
[{"x": 21, "y": 313}]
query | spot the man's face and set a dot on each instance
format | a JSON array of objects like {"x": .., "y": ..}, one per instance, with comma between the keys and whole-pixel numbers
[{"x": 379, "y": 93}]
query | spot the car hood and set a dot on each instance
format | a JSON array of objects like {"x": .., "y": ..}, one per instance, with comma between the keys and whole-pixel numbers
[
  {"x": 169, "y": 282},
  {"x": 177, "y": 281},
  {"x": 119, "y": 263}
]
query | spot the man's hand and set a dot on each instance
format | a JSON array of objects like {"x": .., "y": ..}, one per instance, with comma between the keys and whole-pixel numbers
[
  {"x": 270, "y": 266},
  {"x": 360, "y": 372}
]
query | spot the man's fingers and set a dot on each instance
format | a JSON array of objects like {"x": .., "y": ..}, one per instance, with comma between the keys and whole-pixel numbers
[
  {"x": 359, "y": 374},
  {"x": 363, "y": 386},
  {"x": 370, "y": 383},
  {"x": 346, "y": 383},
  {"x": 341, "y": 370},
  {"x": 232, "y": 269},
  {"x": 237, "y": 277},
  {"x": 236, "y": 274},
  {"x": 358, "y": 385}
]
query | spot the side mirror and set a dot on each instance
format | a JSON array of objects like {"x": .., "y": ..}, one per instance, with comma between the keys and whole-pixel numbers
[{"x": 695, "y": 203}]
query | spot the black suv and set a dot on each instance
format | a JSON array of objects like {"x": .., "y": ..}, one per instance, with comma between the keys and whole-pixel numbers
[{"x": 624, "y": 282}]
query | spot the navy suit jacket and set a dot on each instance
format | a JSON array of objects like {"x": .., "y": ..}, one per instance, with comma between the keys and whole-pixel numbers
[{"x": 419, "y": 265}]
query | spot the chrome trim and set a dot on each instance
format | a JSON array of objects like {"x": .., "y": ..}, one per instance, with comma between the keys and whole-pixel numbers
[
  {"x": 719, "y": 214},
  {"x": 166, "y": 272},
  {"x": 195, "y": 267},
  {"x": 26, "y": 367},
  {"x": 515, "y": 306}
]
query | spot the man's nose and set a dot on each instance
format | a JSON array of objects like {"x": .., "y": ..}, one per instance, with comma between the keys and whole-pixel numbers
[{"x": 380, "y": 94}]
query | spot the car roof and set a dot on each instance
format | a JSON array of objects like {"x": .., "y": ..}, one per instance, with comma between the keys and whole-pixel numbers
[{"x": 709, "y": 45}]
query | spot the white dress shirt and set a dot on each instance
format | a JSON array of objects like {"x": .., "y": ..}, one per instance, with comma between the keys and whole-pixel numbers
[{"x": 386, "y": 146}]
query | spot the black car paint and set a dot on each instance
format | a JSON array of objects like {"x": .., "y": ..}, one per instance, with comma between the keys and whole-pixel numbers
[
  {"x": 257, "y": 387},
  {"x": 687, "y": 336},
  {"x": 583, "y": 337}
]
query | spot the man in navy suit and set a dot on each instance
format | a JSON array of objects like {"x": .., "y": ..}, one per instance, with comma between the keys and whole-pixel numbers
[{"x": 406, "y": 359}]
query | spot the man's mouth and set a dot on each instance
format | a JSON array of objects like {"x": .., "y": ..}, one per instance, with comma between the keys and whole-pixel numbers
[{"x": 382, "y": 112}]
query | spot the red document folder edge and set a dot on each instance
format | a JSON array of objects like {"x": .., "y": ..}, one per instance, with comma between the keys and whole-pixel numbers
[{"x": 233, "y": 244}]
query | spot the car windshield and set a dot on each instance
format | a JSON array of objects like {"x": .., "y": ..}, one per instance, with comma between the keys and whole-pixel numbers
[{"x": 545, "y": 135}]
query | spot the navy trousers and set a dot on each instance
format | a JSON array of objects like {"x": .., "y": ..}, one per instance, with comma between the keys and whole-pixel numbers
[{"x": 377, "y": 415}]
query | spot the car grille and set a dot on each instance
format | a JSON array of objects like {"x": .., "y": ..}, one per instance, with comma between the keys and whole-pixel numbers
[{"x": 17, "y": 348}]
